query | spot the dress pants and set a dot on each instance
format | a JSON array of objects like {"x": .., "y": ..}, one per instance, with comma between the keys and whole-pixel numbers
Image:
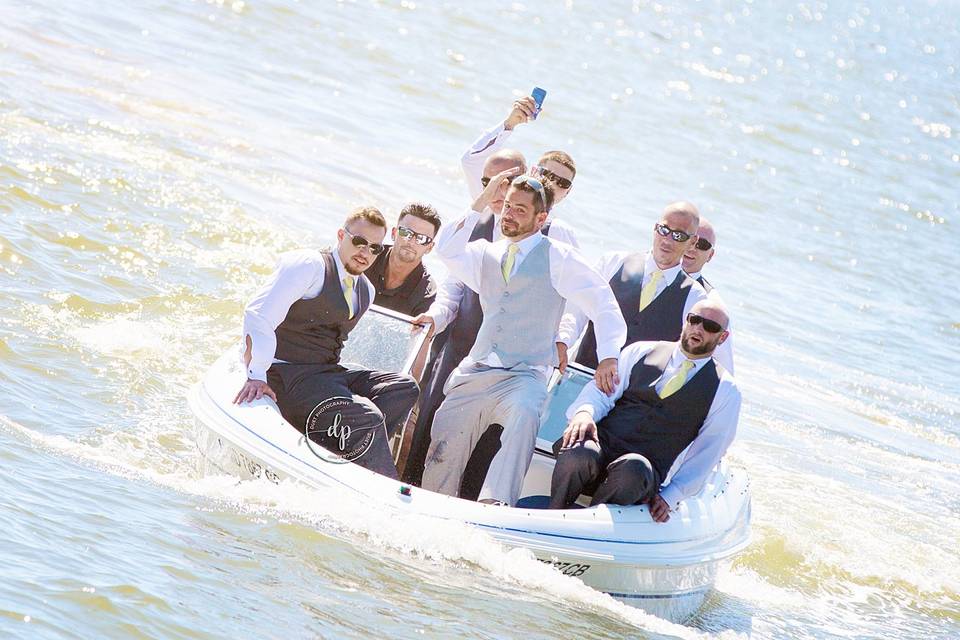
[
  {"x": 584, "y": 468},
  {"x": 381, "y": 402},
  {"x": 478, "y": 396}
]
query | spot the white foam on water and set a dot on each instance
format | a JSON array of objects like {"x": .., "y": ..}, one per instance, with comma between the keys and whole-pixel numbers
[{"x": 429, "y": 539}]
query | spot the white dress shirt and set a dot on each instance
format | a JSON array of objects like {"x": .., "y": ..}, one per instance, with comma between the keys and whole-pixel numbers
[
  {"x": 299, "y": 276},
  {"x": 570, "y": 274},
  {"x": 574, "y": 321},
  {"x": 715, "y": 436}
]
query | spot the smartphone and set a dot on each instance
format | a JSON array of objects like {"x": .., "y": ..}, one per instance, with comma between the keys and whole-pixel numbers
[{"x": 538, "y": 95}]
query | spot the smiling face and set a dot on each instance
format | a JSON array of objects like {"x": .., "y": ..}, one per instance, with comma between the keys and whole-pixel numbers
[
  {"x": 695, "y": 258},
  {"x": 406, "y": 249},
  {"x": 680, "y": 216},
  {"x": 356, "y": 259},
  {"x": 695, "y": 340},
  {"x": 518, "y": 220}
]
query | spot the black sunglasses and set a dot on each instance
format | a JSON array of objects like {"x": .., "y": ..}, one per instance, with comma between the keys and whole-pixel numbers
[
  {"x": 676, "y": 234},
  {"x": 360, "y": 241},
  {"x": 485, "y": 181},
  {"x": 563, "y": 183},
  {"x": 703, "y": 244},
  {"x": 421, "y": 239},
  {"x": 708, "y": 325}
]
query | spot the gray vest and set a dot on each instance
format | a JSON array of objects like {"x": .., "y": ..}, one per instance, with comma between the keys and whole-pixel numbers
[
  {"x": 520, "y": 318},
  {"x": 658, "y": 428},
  {"x": 662, "y": 319},
  {"x": 315, "y": 329}
]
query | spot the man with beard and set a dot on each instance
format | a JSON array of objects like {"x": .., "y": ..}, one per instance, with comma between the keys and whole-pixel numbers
[
  {"x": 670, "y": 395},
  {"x": 294, "y": 329},
  {"x": 654, "y": 293},
  {"x": 523, "y": 282},
  {"x": 398, "y": 274}
]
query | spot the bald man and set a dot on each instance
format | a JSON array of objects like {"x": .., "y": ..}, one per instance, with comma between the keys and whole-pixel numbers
[
  {"x": 654, "y": 293},
  {"x": 671, "y": 395},
  {"x": 700, "y": 253}
]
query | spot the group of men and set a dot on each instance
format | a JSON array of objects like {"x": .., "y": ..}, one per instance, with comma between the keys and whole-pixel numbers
[{"x": 519, "y": 296}]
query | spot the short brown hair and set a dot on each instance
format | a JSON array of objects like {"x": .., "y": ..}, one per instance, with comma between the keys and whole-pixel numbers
[
  {"x": 369, "y": 214},
  {"x": 548, "y": 192},
  {"x": 424, "y": 212},
  {"x": 559, "y": 156}
]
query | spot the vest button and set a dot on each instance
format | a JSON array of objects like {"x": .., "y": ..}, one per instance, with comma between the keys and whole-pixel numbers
[
  {"x": 506, "y": 294},
  {"x": 494, "y": 345}
]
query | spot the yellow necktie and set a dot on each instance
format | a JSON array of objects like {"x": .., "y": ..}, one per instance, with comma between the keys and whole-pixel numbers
[
  {"x": 512, "y": 249},
  {"x": 673, "y": 384},
  {"x": 348, "y": 294},
  {"x": 649, "y": 291}
]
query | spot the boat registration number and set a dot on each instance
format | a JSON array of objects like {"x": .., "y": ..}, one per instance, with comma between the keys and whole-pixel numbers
[{"x": 568, "y": 568}]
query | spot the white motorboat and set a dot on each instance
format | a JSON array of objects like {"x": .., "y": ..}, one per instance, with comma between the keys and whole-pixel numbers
[{"x": 665, "y": 569}]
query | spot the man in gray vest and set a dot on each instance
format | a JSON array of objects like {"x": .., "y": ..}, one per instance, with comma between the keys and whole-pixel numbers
[
  {"x": 654, "y": 293},
  {"x": 523, "y": 282},
  {"x": 700, "y": 253},
  {"x": 455, "y": 316},
  {"x": 294, "y": 329},
  {"x": 671, "y": 395}
]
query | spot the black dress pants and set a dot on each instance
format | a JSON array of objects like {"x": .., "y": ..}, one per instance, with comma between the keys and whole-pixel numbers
[
  {"x": 585, "y": 468},
  {"x": 350, "y": 411}
]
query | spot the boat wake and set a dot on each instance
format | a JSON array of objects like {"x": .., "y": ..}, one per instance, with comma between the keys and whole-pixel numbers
[{"x": 447, "y": 545}]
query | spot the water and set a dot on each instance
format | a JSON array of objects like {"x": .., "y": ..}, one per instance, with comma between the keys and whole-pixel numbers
[{"x": 155, "y": 158}]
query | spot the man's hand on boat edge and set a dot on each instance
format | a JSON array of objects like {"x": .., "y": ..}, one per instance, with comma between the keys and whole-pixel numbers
[
  {"x": 423, "y": 321},
  {"x": 254, "y": 390},
  {"x": 659, "y": 509}
]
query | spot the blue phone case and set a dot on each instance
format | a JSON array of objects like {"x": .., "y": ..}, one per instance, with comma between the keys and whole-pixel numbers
[{"x": 538, "y": 95}]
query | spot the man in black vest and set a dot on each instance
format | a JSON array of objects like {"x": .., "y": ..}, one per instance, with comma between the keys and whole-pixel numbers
[
  {"x": 700, "y": 253},
  {"x": 294, "y": 329},
  {"x": 654, "y": 293},
  {"x": 398, "y": 274},
  {"x": 670, "y": 395}
]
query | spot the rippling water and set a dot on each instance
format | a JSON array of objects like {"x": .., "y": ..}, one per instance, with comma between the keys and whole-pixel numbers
[{"x": 155, "y": 158}]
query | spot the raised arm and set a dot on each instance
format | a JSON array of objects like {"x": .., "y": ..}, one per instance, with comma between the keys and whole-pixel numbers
[{"x": 491, "y": 141}]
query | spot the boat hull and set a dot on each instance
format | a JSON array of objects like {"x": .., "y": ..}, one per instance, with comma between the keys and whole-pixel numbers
[{"x": 665, "y": 569}]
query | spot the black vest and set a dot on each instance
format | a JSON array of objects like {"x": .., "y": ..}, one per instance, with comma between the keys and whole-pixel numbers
[
  {"x": 658, "y": 428},
  {"x": 660, "y": 320},
  {"x": 314, "y": 330}
]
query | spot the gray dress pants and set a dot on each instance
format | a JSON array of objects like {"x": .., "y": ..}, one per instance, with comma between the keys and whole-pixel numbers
[{"x": 476, "y": 398}]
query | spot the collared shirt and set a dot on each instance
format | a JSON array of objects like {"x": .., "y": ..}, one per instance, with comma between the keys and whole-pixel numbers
[
  {"x": 570, "y": 275},
  {"x": 299, "y": 276},
  {"x": 715, "y": 436},
  {"x": 414, "y": 295},
  {"x": 445, "y": 307},
  {"x": 574, "y": 321}
]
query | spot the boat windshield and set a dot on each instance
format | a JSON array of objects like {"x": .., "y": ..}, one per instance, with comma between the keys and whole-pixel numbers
[{"x": 383, "y": 340}]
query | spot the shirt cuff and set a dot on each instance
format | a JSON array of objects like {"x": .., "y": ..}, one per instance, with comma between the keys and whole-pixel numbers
[
  {"x": 583, "y": 407},
  {"x": 257, "y": 373},
  {"x": 672, "y": 496},
  {"x": 605, "y": 351}
]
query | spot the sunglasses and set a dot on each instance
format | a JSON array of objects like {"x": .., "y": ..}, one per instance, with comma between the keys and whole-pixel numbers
[
  {"x": 563, "y": 183},
  {"x": 703, "y": 244},
  {"x": 361, "y": 242},
  {"x": 708, "y": 325},
  {"x": 677, "y": 235},
  {"x": 421, "y": 239},
  {"x": 530, "y": 181}
]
